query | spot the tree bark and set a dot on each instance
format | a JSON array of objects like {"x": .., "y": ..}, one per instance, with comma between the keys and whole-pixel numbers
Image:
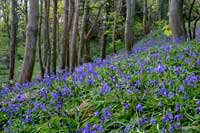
[
  {"x": 65, "y": 46},
  {"x": 47, "y": 47},
  {"x": 39, "y": 40},
  {"x": 82, "y": 33},
  {"x": 54, "y": 60},
  {"x": 31, "y": 38},
  {"x": 176, "y": 19},
  {"x": 130, "y": 12},
  {"x": 145, "y": 16},
  {"x": 13, "y": 37},
  {"x": 117, "y": 8},
  {"x": 73, "y": 50},
  {"x": 189, "y": 20}
]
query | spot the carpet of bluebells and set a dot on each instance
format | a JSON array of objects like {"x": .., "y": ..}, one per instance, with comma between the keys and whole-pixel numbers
[{"x": 154, "y": 89}]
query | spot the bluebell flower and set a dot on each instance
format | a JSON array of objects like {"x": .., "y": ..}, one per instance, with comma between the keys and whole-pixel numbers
[
  {"x": 177, "y": 70},
  {"x": 178, "y": 117},
  {"x": 125, "y": 105},
  {"x": 104, "y": 89},
  {"x": 90, "y": 81},
  {"x": 171, "y": 128},
  {"x": 127, "y": 129},
  {"x": 159, "y": 69},
  {"x": 55, "y": 95},
  {"x": 190, "y": 80},
  {"x": 163, "y": 130},
  {"x": 198, "y": 102},
  {"x": 177, "y": 107},
  {"x": 107, "y": 114},
  {"x": 39, "y": 106},
  {"x": 100, "y": 128},
  {"x": 181, "y": 89},
  {"x": 170, "y": 95},
  {"x": 152, "y": 121},
  {"x": 165, "y": 119},
  {"x": 13, "y": 107},
  {"x": 143, "y": 121},
  {"x": 64, "y": 92},
  {"x": 96, "y": 114},
  {"x": 198, "y": 109},
  {"x": 198, "y": 62},
  {"x": 95, "y": 127},
  {"x": 19, "y": 98},
  {"x": 170, "y": 83},
  {"x": 139, "y": 107},
  {"x": 28, "y": 118},
  {"x": 163, "y": 92}
]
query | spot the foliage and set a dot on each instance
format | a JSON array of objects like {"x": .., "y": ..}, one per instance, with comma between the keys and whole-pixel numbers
[{"x": 154, "y": 89}]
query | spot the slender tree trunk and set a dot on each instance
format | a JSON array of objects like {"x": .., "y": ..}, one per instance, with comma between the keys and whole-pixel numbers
[
  {"x": 130, "y": 12},
  {"x": 26, "y": 10},
  {"x": 105, "y": 35},
  {"x": 189, "y": 20},
  {"x": 194, "y": 27},
  {"x": 115, "y": 25},
  {"x": 55, "y": 2},
  {"x": 145, "y": 16},
  {"x": 65, "y": 46},
  {"x": 73, "y": 50},
  {"x": 39, "y": 39},
  {"x": 82, "y": 33},
  {"x": 31, "y": 38},
  {"x": 47, "y": 47},
  {"x": 163, "y": 9},
  {"x": 176, "y": 19},
  {"x": 13, "y": 38}
]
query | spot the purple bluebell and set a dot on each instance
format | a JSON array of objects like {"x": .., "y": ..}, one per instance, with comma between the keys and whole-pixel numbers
[
  {"x": 55, "y": 95},
  {"x": 178, "y": 117},
  {"x": 181, "y": 89},
  {"x": 163, "y": 91},
  {"x": 105, "y": 89},
  {"x": 95, "y": 127},
  {"x": 159, "y": 69},
  {"x": 177, "y": 107},
  {"x": 198, "y": 109},
  {"x": 177, "y": 70},
  {"x": 125, "y": 105},
  {"x": 165, "y": 119},
  {"x": 198, "y": 62},
  {"x": 170, "y": 95},
  {"x": 152, "y": 121},
  {"x": 90, "y": 81},
  {"x": 139, "y": 107},
  {"x": 163, "y": 130},
  {"x": 127, "y": 129},
  {"x": 198, "y": 102},
  {"x": 65, "y": 92},
  {"x": 96, "y": 114}
]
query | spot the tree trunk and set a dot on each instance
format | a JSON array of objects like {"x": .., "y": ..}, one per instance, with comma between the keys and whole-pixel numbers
[
  {"x": 130, "y": 12},
  {"x": 82, "y": 33},
  {"x": 117, "y": 4},
  {"x": 104, "y": 35},
  {"x": 176, "y": 19},
  {"x": 13, "y": 36},
  {"x": 55, "y": 2},
  {"x": 163, "y": 9},
  {"x": 65, "y": 46},
  {"x": 47, "y": 47},
  {"x": 39, "y": 40},
  {"x": 73, "y": 50},
  {"x": 145, "y": 16},
  {"x": 189, "y": 20},
  {"x": 31, "y": 38}
]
